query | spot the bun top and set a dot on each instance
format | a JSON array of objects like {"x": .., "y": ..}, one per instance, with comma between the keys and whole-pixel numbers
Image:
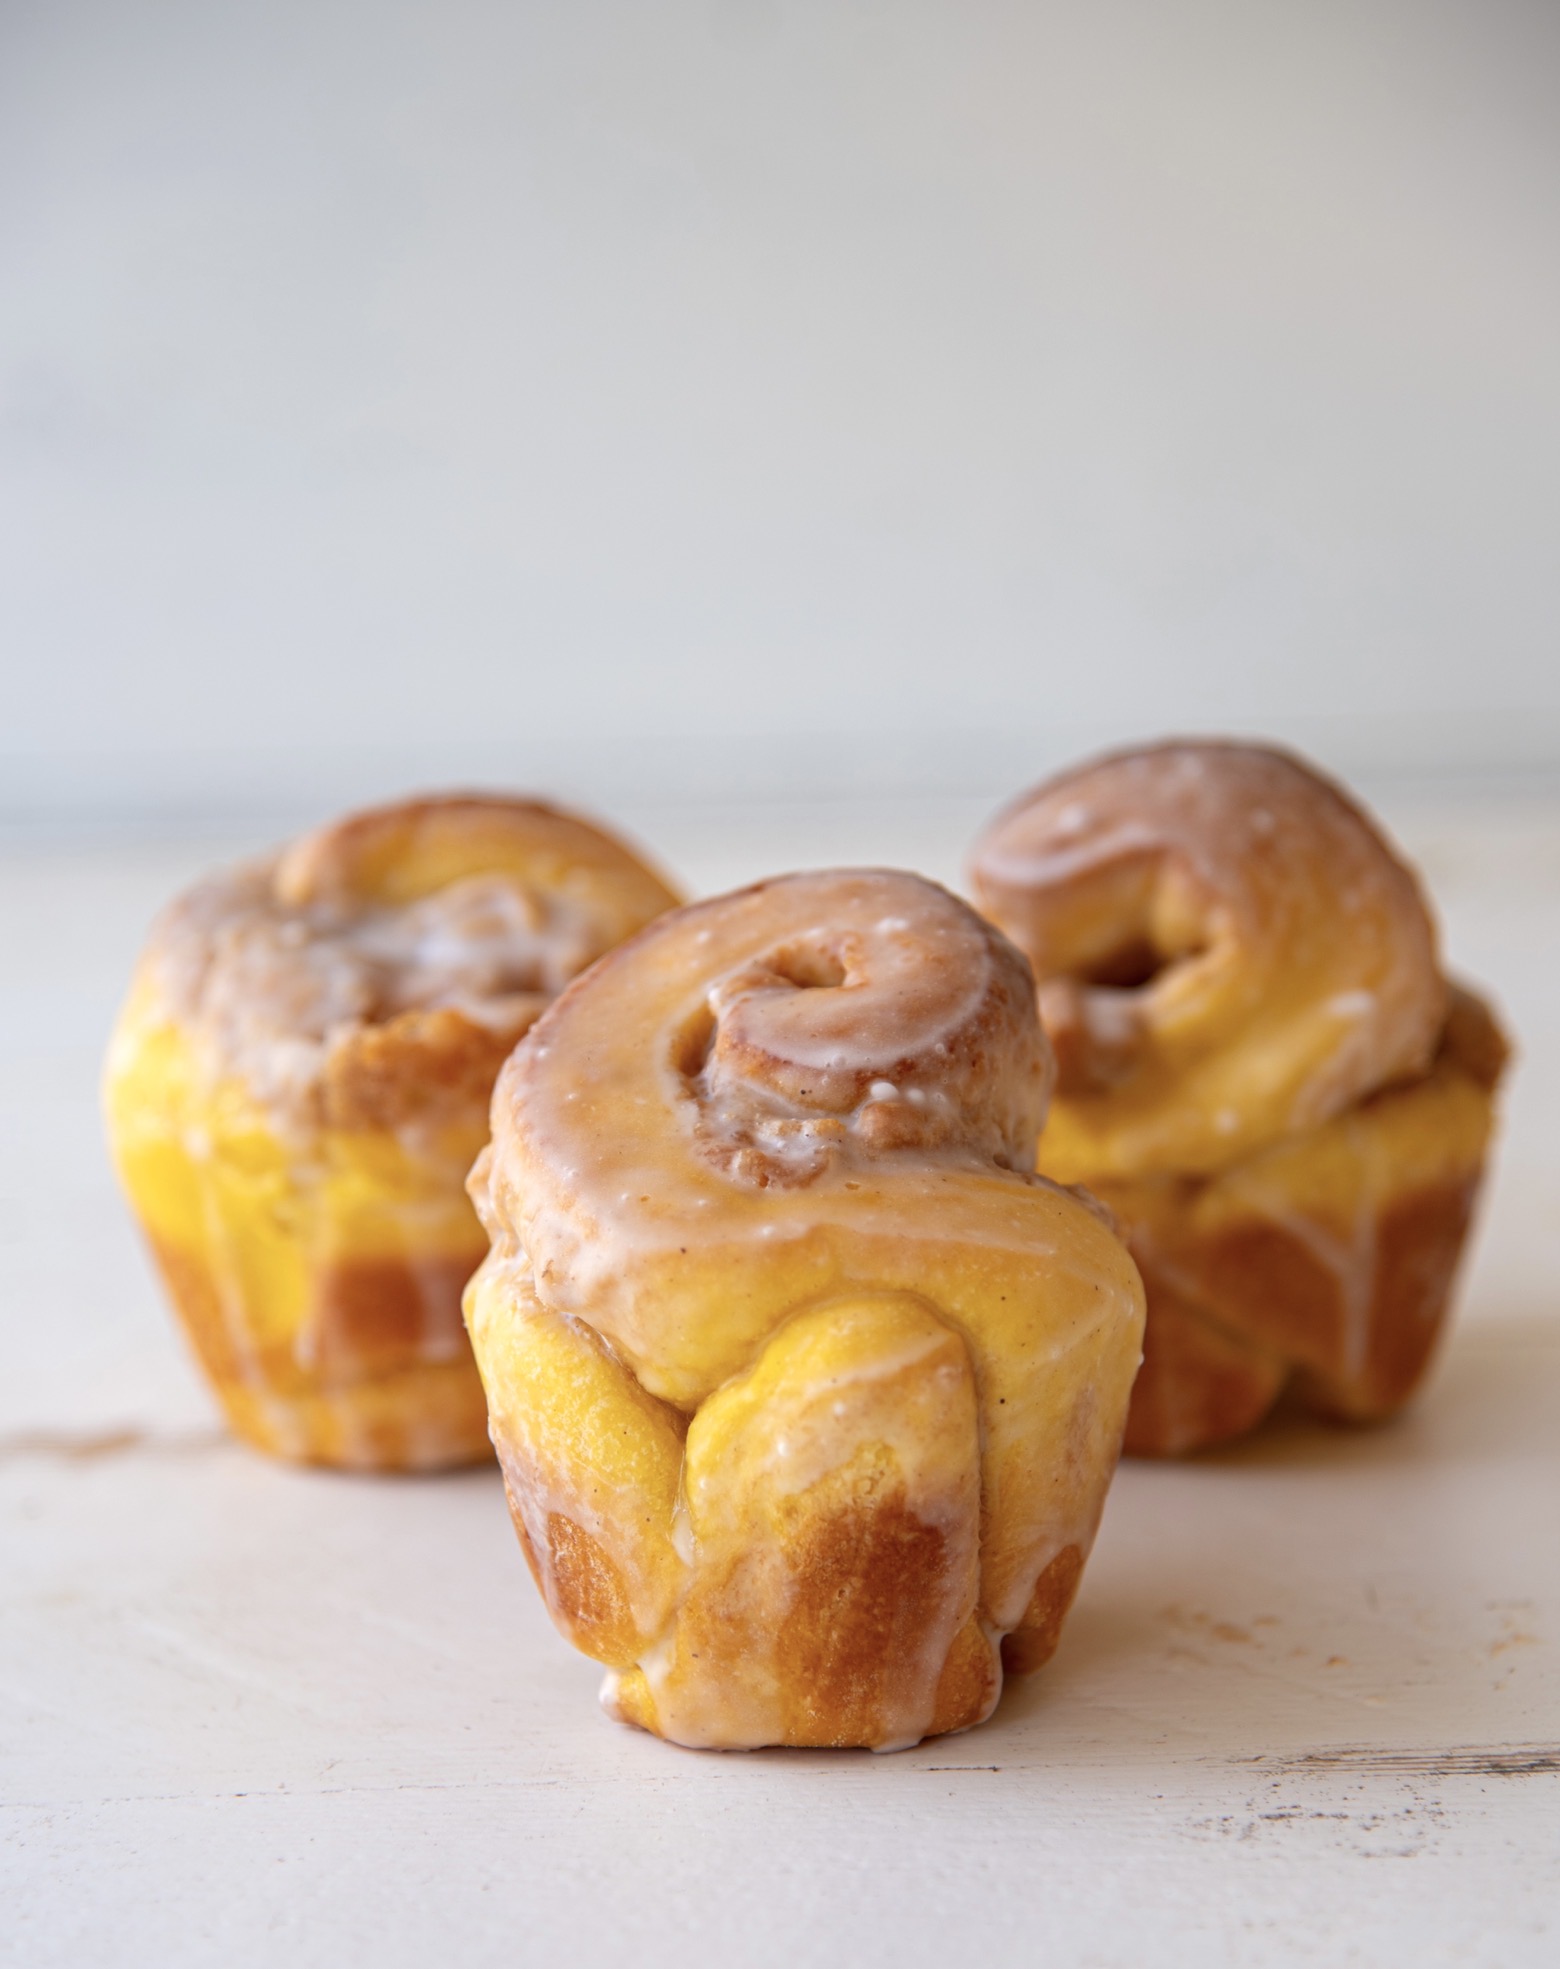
[
  {"x": 387, "y": 962},
  {"x": 1228, "y": 951},
  {"x": 767, "y": 1096}
]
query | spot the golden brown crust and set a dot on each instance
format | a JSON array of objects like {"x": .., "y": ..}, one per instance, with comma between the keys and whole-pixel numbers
[
  {"x": 1033, "y": 1642},
  {"x": 1199, "y": 1384},
  {"x": 1327, "y": 1262},
  {"x": 381, "y": 1381},
  {"x": 418, "y": 1066},
  {"x": 971, "y": 1680},
  {"x": 376, "y": 1316},
  {"x": 864, "y": 1572},
  {"x": 581, "y": 1583},
  {"x": 1473, "y": 1039},
  {"x": 398, "y": 853}
]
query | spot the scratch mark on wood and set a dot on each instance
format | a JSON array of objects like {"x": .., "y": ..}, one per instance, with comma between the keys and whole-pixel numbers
[
  {"x": 95, "y": 1445},
  {"x": 1515, "y": 1760}
]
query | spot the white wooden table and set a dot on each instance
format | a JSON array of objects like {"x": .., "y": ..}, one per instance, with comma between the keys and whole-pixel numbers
[{"x": 1307, "y": 1708}]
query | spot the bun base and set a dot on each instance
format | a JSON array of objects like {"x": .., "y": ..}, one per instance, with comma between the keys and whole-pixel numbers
[
  {"x": 1323, "y": 1266},
  {"x": 370, "y": 1396},
  {"x": 318, "y": 1277}
]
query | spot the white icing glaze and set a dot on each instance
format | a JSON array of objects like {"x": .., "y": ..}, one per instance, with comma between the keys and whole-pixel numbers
[
  {"x": 463, "y": 915},
  {"x": 269, "y": 988}
]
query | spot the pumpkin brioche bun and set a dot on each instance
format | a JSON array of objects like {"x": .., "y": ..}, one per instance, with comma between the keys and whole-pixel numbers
[
  {"x": 807, "y": 1391},
  {"x": 299, "y": 1083},
  {"x": 1261, "y": 1070}
]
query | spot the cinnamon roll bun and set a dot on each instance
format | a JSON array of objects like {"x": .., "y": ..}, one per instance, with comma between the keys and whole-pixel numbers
[
  {"x": 806, "y": 1389},
  {"x": 1262, "y": 1070},
  {"x": 299, "y": 1083}
]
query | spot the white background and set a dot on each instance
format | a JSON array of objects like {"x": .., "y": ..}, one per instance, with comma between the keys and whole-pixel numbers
[{"x": 721, "y": 397}]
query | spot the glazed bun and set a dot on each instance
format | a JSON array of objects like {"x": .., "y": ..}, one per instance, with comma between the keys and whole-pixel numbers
[
  {"x": 1261, "y": 1069},
  {"x": 806, "y": 1390}
]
